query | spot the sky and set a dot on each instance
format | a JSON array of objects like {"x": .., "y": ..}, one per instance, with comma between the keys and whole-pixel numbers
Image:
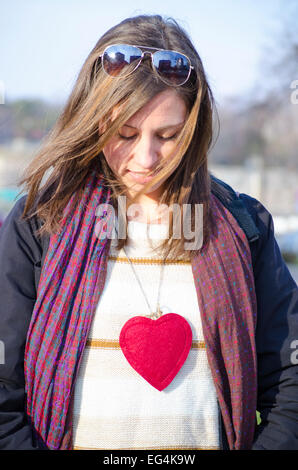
[{"x": 43, "y": 43}]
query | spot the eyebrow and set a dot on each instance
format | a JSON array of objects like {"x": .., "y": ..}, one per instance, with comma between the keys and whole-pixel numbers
[{"x": 160, "y": 128}]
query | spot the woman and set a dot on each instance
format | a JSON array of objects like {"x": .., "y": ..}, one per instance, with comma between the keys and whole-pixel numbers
[{"x": 139, "y": 293}]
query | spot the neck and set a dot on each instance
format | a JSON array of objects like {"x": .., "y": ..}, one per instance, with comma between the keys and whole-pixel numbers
[{"x": 146, "y": 212}]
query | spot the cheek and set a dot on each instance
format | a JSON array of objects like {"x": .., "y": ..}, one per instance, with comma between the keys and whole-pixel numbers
[
  {"x": 169, "y": 151},
  {"x": 114, "y": 156}
]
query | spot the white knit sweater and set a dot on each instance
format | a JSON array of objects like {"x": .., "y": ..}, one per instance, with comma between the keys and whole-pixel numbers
[{"x": 114, "y": 407}]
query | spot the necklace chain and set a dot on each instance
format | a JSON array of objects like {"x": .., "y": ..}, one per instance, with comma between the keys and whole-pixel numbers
[{"x": 158, "y": 311}]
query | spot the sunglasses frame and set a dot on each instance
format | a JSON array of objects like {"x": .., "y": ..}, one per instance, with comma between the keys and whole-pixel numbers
[{"x": 147, "y": 50}]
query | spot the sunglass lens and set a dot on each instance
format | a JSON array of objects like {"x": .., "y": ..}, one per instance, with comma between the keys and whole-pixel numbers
[
  {"x": 121, "y": 59},
  {"x": 171, "y": 66}
]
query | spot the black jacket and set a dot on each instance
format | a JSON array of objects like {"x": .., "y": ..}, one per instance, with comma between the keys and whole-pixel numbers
[{"x": 21, "y": 258}]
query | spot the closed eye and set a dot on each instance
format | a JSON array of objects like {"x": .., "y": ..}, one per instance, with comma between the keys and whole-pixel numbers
[
  {"x": 161, "y": 137},
  {"x": 126, "y": 137},
  {"x": 171, "y": 137}
]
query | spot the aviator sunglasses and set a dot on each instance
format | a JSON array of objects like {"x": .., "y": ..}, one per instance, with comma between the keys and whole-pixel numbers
[{"x": 172, "y": 67}]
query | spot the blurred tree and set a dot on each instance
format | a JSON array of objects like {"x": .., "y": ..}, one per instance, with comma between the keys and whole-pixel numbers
[
  {"x": 281, "y": 63},
  {"x": 266, "y": 120}
]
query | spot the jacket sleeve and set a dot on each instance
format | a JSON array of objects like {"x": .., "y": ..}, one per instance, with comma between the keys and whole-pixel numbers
[
  {"x": 276, "y": 338},
  {"x": 20, "y": 251}
]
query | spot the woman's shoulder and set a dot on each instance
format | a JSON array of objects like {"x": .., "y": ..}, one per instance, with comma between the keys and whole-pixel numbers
[
  {"x": 17, "y": 230},
  {"x": 252, "y": 216},
  {"x": 14, "y": 219},
  {"x": 257, "y": 222},
  {"x": 260, "y": 214},
  {"x": 229, "y": 195}
]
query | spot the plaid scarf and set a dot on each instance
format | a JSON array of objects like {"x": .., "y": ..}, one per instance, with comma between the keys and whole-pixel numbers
[{"x": 71, "y": 283}]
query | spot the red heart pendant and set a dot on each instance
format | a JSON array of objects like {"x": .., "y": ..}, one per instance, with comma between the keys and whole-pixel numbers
[{"x": 156, "y": 349}]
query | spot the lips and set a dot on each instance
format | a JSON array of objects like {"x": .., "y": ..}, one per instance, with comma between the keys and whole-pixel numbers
[{"x": 140, "y": 177}]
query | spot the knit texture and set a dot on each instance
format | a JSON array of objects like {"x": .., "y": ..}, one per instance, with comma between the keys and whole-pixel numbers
[{"x": 72, "y": 280}]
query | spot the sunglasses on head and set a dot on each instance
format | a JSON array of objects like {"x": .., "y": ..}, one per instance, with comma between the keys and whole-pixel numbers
[{"x": 172, "y": 67}]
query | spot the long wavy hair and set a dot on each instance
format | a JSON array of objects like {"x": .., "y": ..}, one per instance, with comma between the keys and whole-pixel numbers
[{"x": 74, "y": 146}]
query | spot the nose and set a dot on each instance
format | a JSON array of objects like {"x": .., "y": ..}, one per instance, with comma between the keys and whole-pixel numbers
[{"x": 145, "y": 154}]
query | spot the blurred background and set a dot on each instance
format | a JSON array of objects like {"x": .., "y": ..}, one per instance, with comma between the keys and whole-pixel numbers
[{"x": 250, "y": 53}]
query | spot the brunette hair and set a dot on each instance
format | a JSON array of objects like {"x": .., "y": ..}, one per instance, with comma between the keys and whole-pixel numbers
[{"x": 74, "y": 146}]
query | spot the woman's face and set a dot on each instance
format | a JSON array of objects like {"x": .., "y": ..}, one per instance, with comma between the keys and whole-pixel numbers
[{"x": 147, "y": 138}]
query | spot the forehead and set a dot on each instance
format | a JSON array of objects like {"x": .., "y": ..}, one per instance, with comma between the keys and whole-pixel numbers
[{"x": 166, "y": 108}]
